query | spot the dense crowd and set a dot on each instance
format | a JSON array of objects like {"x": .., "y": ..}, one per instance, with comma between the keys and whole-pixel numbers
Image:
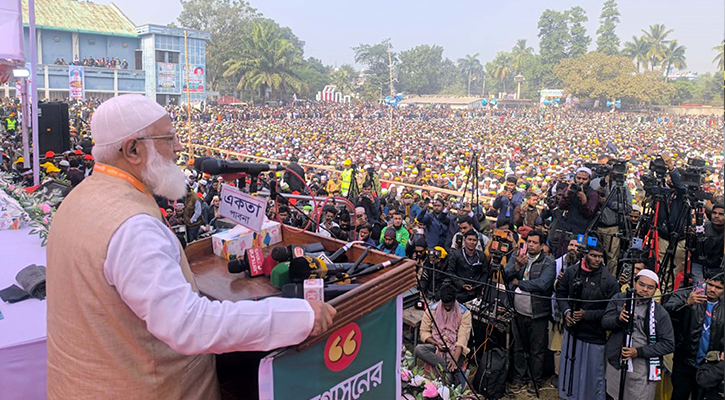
[{"x": 540, "y": 186}]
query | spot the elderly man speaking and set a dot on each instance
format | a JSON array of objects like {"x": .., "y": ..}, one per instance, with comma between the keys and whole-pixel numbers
[{"x": 125, "y": 320}]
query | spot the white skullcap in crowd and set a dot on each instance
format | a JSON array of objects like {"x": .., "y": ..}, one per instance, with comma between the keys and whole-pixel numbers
[
  {"x": 122, "y": 116},
  {"x": 585, "y": 169},
  {"x": 649, "y": 274}
]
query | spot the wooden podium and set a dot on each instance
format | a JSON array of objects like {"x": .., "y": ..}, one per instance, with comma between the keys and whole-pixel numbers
[{"x": 369, "y": 317}]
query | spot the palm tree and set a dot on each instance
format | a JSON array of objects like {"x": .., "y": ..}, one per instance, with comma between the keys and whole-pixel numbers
[
  {"x": 502, "y": 67},
  {"x": 519, "y": 53},
  {"x": 470, "y": 64},
  {"x": 674, "y": 57},
  {"x": 636, "y": 50},
  {"x": 720, "y": 58},
  {"x": 657, "y": 40},
  {"x": 268, "y": 61}
]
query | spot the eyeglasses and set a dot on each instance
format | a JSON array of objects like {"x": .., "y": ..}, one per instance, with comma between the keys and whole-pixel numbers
[
  {"x": 360, "y": 215},
  {"x": 648, "y": 287},
  {"x": 165, "y": 137}
]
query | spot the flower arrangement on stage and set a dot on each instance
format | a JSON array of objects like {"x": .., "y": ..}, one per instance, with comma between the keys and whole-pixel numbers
[
  {"x": 419, "y": 383},
  {"x": 38, "y": 213}
]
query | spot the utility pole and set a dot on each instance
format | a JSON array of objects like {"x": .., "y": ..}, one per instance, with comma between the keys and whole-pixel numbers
[{"x": 392, "y": 95}]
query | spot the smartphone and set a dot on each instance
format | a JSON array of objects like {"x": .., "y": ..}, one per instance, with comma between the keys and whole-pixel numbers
[{"x": 523, "y": 250}]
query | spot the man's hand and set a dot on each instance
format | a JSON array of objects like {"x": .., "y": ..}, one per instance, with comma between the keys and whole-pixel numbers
[
  {"x": 324, "y": 313},
  {"x": 667, "y": 158},
  {"x": 696, "y": 297},
  {"x": 578, "y": 315},
  {"x": 629, "y": 352},
  {"x": 520, "y": 261},
  {"x": 624, "y": 315},
  {"x": 570, "y": 320},
  {"x": 451, "y": 365},
  {"x": 515, "y": 282},
  {"x": 467, "y": 287},
  {"x": 582, "y": 196},
  {"x": 561, "y": 275}
]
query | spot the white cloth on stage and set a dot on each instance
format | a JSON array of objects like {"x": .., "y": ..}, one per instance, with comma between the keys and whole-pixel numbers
[{"x": 143, "y": 265}]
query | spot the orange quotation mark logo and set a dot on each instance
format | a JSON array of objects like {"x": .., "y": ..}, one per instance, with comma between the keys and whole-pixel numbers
[{"x": 342, "y": 347}]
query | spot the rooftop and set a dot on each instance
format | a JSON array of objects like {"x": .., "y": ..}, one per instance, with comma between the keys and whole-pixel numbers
[{"x": 78, "y": 16}]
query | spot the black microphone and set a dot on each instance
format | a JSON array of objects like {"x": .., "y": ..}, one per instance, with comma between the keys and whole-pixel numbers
[
  {"x": 302, "y": 268},
  {"x": 296, "y": 290},
  {"x": 287, "y": 253},
  {"x": 214, "y": 166},
  {"x": 199, "y": 161}
]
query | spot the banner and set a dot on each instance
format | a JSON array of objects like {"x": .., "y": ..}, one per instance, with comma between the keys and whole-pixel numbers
[
  {"x": 166, "y": 75},
  {"x": 360, "y": 360},
  {"x": 75, "y": 81},
  {"x": 242, "y": 208},
  {"x": 11, "y": 31},
  {"x": 195, "y": 82}
]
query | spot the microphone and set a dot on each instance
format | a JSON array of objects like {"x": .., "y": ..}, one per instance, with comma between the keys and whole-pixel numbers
[
  {"x": 252, "y": 262},
  {"x": 296, "y": 290},
  {"x": 302, "y": 268},
  {"x": 287, "y": 253},
  {"x": 214, "y": 166},
  {"x": 377, "y": 267},
  {"x": 342, "y": 250},
  {"x": 199, "y": 161}
]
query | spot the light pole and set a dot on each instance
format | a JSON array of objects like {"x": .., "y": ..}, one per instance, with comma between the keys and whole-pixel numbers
[{"x": 518, "y": 79}]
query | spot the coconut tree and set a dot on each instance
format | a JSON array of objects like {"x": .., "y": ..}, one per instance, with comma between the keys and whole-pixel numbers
[
  {"x": 720, "y": 58},
  {"x": 470, "y": 65},
  {"x": 656, "y": 37},
  {"x": 519, "y": 52},
  {"x": 637, "y": 50},
  {"x": 674, "y": 56}
]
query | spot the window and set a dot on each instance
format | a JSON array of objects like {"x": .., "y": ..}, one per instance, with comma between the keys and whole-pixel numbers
[
  {"x": 160, "y": 56},
  {"x": 173, "y": 57}
]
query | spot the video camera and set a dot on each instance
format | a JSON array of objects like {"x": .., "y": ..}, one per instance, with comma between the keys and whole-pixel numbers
[
  {"x": 433, "y": 253},
  {"x": 499, "y": 246},
  {"x": 616, "y": 169},
  {"x": 693, "y": 176}
]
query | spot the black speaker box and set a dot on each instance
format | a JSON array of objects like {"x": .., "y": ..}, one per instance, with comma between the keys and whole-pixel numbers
[{"x": 53, "y": 127}]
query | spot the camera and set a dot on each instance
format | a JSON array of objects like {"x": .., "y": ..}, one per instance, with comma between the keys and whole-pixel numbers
[
  {"x": 658, "y": 167},
  {"x": 433, "y": 253},
  {"x": 616, "y": 169},
  {"x": 692, "y": 178},
  {"x": 575, "y": 187},
  {"x": 499, "y": 246}
]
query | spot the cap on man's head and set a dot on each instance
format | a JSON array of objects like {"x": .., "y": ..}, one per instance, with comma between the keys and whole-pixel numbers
[
  {"x": 49, "y": 154},
  {"x": 64, "y": 163},
  {"x": 88, "y": 157},
  {"x": 122, "y": 116}
]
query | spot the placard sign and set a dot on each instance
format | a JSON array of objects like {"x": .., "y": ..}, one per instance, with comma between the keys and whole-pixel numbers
[{"x": 242, "y": 208}]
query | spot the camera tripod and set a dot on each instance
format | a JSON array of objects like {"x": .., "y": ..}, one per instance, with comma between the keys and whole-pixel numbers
[{"x": 472, "y": 176}]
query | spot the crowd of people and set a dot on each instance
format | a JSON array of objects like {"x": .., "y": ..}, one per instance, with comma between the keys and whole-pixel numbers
[
  {"x": 475, "y": 197},
  {"x": 104, "y": 62}
]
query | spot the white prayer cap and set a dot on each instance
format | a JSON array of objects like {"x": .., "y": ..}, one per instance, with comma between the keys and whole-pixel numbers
[
  {"x": 122, "y": 116},
  {"x": 584, "y": 169},
  {"x": 649, "y": 274}
]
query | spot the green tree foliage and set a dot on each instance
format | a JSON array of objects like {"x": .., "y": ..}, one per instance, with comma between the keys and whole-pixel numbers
[
  {"x": 719, "y": 59},
  {"x": 345, "y": 79},
  {"x": 605, "y": 77},
  {"x": 269, "y": 59},
  {"x": 228, "y": 22},
  {"x": 375, "y": 59},
  {"x": 519, "y": 53},
  {"x": 452, "y": 78},
  {"x": 637, "y": 50},
  {"x": 674, "y": 56},
  {"x": 420, "y": 70},
  {"x": 315, "y": 74},
  {"x": 682, "y": 91},
  {"x": 577, "y": 17},
  {"x": 471, "y": 66},
  {"x": 607, "y": 39},
  {"x": 554, "y": 36},
  {"x": 656, "y": 38}
]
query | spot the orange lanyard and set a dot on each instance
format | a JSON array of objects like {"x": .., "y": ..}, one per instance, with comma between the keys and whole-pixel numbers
[{"x": 123, "y": 175}]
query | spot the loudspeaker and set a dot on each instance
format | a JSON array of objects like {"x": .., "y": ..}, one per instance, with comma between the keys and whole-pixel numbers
[{"x": 53, "y": 127}]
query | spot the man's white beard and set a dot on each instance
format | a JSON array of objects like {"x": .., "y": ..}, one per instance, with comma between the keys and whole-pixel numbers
[{"x": 163, "y": 177}]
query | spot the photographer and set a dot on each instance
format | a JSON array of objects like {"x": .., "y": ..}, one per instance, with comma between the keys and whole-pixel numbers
[
  {"x": 465, "y": 224},
  {"x": 509, "y": 198},
  {"x": 368, "y": 202},
  {"x": 669, "y": 211},
  {"x": 700, "y": 323},
  {"x": 580, "y": 203},
  {"x": 652, "y": 337},
  {"x": 531, "y": 272},
  {"x": 707, "y": 257},
  {"x": 584, "y": 325},
  {"x": 527, "y": 213},
  {"x": 430, "y": 281},
  {"x": 469, "y": 263},
  {"x": 458, "y": 212},
  {"x": 434, "y": 230},
  {"x": 609, "y": 222}
]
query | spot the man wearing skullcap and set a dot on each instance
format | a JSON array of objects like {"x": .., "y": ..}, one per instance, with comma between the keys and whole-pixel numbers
[
  {"x": 651, "y": 339},
  {"x": 87, "y": 167},
  {"x": 125, "y": 319}
]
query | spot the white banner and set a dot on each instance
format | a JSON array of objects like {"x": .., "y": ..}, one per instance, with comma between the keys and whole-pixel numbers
[
  {"x": 11, "y": 31},
  {"x": 242, "y": 208},
  {"x": 75, "y": 81}
]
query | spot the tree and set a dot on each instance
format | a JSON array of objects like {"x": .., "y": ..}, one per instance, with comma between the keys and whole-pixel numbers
[
  {"x": 674, "y": 56},
  {"x": 500, "y": 67},
  {"x": 554, "y": 37},
  {"x": 518, "y": 53},
  {"x": 579, "y": 44},
  {"x": 419, "y": 69},
  {"x": 637, "y": 50},
  {"x": 607, "y": 40},
  {"x": 605, "y": 77},
  {"x": 452, "y": 78},
  {"x": 683, "y": 91},
  {"x": 720, "y": 57},
  {"x": 471, "y": 66},
  {"x": 656, "y": 38},
  {"x": 344, "y": 78},
  {"x": 228, "y": 22},
  {"x": 375, "y": 58},
  {"x": 315, "y": 74},
  {"x": 268, "y": 60}
]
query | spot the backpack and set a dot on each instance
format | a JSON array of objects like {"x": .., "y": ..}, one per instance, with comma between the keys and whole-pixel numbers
[{"x": 490, "y": 378}]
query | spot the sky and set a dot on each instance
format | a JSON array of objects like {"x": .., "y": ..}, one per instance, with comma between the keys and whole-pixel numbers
[{"x": 331, "y": 28}]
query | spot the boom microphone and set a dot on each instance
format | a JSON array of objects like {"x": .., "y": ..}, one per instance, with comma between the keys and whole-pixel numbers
[{"x": 215, "y": 166}]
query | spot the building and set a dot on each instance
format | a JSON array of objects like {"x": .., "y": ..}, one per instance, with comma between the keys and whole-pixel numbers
[{"x": 154, "y": 56}]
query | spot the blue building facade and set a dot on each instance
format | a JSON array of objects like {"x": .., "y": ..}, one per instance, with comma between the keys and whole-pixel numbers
[{"x": 152, "y": 56}]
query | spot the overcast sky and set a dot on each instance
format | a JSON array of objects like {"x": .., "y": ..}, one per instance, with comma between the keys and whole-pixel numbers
[{"x": 331, "y": 27}]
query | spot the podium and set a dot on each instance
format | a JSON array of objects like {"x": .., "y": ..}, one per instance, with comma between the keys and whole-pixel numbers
[{"x": 359, "y": 355}]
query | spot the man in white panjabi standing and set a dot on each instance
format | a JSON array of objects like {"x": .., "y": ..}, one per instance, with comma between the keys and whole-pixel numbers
[{"x": 125, "y": 319}]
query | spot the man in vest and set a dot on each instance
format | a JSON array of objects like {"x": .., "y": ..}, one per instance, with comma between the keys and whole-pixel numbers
[
  {"x": 11, "y": 124},
  {"x": 346, "y": 178},
  {"x": 125, "y": 319}
]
